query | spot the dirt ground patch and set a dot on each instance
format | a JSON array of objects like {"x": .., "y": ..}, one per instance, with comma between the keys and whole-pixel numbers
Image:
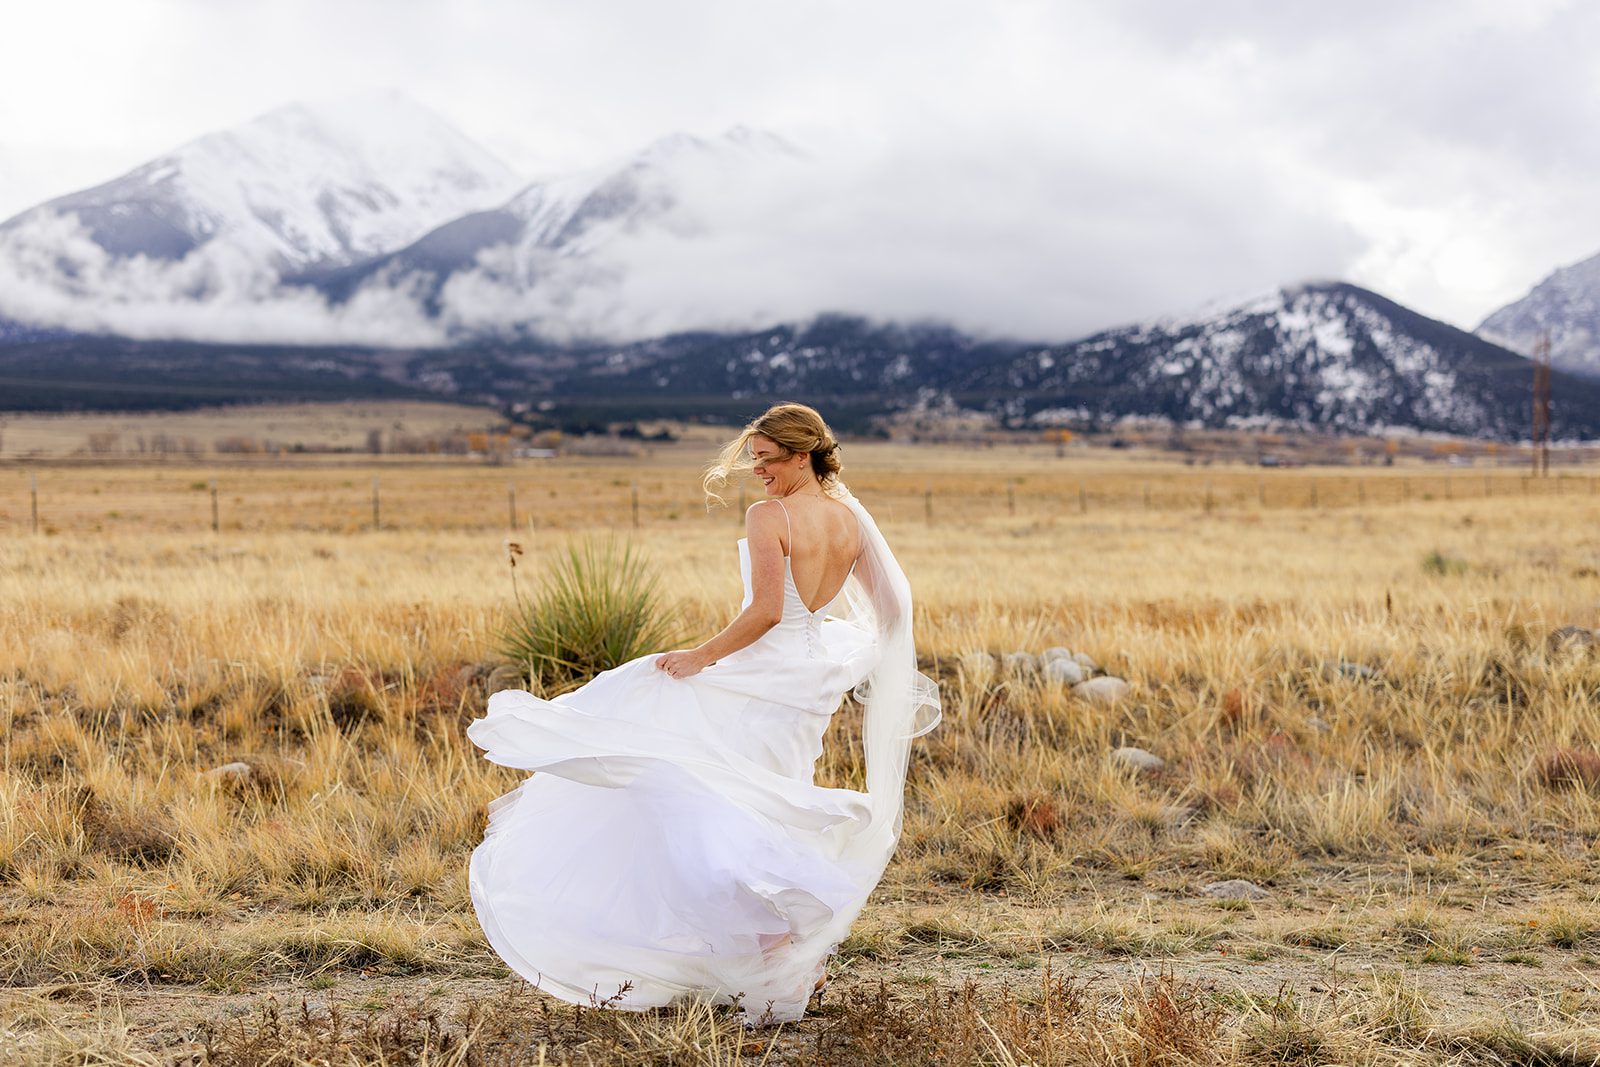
[{"x": 1448, "y": 970}]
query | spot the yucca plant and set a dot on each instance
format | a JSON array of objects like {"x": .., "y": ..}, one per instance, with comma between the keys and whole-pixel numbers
[{"x": 596, "y": 607}]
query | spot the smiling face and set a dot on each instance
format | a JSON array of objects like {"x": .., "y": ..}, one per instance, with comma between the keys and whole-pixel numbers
[{"x": 779, "y": 469}]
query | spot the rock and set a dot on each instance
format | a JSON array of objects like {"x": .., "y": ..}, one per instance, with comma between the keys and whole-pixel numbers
[
  {"x": 1137, "y": 759},
  {"x": 1235, "y": 889},
  {"x": 1021, "y": 662},
  {"x": 1177, "y": 814},
  {"x": 978, "y": 663},
  {"x": 472, "y": 673},
  {"x": 504, "y": 677},
  {"x": 1358, "y": 671},
  {"x": 1570, "y": 637},
  {"x": 1065, "y": 671},
  {"x": 231, "y": 772},
  {"x": 1086, "y": 661},
  {"x": 1104, "y": 690},
  {"x": 979, "y": 668},
  {"x": 1055, "y": 652}
]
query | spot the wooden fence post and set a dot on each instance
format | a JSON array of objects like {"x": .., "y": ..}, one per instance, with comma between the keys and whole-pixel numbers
[
  {"x": 376, "y": 525},
  {"x": 216, "y": 527},
  {"x": 33, "y": 498},
  {"x": 635, "y": 505},
  {"x": 1011, "y": 498},
  {"x": 511, "y": 505}
]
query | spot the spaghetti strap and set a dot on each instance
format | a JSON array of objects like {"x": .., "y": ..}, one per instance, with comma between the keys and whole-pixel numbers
[{"x": 789, "y": 526}]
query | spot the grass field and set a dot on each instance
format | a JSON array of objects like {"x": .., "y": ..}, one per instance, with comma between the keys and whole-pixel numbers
[{"x": 1424, "y": 818}]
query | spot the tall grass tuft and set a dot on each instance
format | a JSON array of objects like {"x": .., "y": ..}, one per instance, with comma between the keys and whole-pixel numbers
[{"x": 598, "y": 606}]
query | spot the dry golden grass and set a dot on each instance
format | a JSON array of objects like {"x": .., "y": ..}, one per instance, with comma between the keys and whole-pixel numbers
[{"x": 1428, "y": 831}]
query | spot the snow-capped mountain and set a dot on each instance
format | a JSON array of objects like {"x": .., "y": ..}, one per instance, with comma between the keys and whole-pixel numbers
[
  {"x": 226, "y": 215},
  {"x": 373, "y": 224},
  {"x": 1327, "y": 355},
  {"x": 1567, "y": 304},
  {"x": 556, "y": 259}
]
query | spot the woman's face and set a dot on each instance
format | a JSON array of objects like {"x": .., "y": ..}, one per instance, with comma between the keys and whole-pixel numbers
[{"x": 778, "y": 469}]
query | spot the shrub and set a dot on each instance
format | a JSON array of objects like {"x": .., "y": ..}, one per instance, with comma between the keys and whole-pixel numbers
[
  {"x": 597, "y": 607},
  {"x": 1436, "y": 562}
]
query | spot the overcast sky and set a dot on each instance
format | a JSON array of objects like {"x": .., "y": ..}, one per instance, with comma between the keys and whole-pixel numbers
[{"x": 1147, "y": 155}]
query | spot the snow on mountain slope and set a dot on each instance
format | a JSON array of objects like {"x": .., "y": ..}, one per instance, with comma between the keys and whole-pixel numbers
[
  {"x": 1567, "y": 304},
  {"x": 560, "y": 257},
  {"x": 1327, "y": 355},
  {"x": 222, "y": 218}
]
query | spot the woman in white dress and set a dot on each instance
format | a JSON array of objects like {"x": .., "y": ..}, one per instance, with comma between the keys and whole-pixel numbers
[{"x": 672, "y": 843}]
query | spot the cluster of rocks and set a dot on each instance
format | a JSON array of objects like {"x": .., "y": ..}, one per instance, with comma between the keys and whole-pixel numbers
[{"x": 1057, "y": 664}]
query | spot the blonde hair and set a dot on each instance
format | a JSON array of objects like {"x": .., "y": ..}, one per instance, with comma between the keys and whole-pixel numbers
[{"x": 794, "y": 428}]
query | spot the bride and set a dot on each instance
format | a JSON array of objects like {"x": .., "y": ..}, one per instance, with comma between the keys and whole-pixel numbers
[{"x": 672, "y": 843}]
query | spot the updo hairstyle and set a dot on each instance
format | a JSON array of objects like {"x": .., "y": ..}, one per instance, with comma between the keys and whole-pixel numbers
[{"x": 794, "y": 428}]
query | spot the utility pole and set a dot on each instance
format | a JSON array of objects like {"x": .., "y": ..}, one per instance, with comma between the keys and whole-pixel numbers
[{"x": 1541, "y": 405}]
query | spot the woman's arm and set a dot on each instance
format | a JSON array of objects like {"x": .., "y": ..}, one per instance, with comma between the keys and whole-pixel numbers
[{"x": 762, "y": 523}]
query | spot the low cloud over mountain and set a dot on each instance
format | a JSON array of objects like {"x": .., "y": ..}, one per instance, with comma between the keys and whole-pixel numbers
[{"x": 378, "y": 223}]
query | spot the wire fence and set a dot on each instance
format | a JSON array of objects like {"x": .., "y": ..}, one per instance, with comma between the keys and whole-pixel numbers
[{"x": 54, "y": 501}]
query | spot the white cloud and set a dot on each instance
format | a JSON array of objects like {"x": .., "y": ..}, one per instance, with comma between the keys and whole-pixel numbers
[
  {"x": 214, "y": 293},
  {"x": 1031, "y": 167}
]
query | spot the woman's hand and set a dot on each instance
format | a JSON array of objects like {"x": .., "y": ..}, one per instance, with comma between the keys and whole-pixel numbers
[{"x": 683, "y": 663}]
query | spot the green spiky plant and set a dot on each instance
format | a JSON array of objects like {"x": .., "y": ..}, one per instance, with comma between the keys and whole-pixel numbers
[{"x": 597, "y": 606}]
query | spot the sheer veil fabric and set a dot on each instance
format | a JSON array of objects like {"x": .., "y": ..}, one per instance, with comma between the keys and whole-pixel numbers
[{"x": 672, "y": 844}]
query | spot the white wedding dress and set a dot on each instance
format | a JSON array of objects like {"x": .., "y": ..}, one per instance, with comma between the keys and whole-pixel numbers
[{"x": 672, "y": 843}]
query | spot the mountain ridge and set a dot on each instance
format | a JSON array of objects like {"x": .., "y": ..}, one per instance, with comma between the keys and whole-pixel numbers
[
  {"x": 1325, "y": 356},
  {"x": 1566, "y": 305},
  {"x": 1328, "y": 355},
  {"x": 169, "y": 247}
]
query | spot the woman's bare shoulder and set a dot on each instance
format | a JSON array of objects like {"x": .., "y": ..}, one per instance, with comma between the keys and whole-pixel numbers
[{"x": 763, "y": 515}]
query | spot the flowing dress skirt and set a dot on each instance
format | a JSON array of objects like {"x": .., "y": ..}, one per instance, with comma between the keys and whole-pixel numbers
[{"x": 671, "y": 843}]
